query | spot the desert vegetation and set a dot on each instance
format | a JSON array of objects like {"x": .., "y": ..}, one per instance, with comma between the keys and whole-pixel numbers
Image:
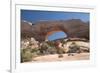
[{"x": 30, "y": 48}]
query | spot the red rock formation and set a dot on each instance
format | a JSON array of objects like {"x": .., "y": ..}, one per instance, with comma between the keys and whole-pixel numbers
[{"x": 41, "y": 30}]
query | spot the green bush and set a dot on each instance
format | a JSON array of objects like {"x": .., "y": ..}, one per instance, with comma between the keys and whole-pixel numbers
[
  {"x": 26, "y": 55},
  {"x": 51, "y": 43},
  {"x": 35, "y": 52}
]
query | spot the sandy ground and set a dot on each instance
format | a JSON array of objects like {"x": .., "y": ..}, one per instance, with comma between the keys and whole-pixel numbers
[{"x": 51, "y": 58}]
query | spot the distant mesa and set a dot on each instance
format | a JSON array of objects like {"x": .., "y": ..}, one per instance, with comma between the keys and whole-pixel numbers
[{"x": 42, "y": 29}]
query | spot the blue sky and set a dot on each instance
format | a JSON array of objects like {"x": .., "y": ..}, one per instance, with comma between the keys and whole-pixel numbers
[
  {"x": 34, "y": 16},
  {"x": 57, "y": 35}
]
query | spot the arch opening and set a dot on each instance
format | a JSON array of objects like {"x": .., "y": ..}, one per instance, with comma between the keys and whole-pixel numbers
[{"x": 55, "y": 35}]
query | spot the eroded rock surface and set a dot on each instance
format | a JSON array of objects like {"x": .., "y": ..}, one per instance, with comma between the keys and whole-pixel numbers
[{"x": 42, "y": 29}]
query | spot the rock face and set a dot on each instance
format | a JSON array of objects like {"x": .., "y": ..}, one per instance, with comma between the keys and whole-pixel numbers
[{"x": 42, "y": 29}]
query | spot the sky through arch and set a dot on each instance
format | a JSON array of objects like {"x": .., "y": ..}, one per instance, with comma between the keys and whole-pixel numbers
[{"x": 57, "y": 35}]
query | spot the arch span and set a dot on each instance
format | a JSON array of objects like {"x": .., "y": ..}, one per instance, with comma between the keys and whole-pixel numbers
[{"x": 40, "y": 30}]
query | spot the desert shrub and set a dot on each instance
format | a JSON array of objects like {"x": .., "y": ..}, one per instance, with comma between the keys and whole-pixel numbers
[
  {"x": 53, "y": 50},
  {"x": 43, "y": 48},
  {"x": 51, "y": 43},
  {"x": 63, "y": 41},
  {"x": 47, "y": 48},
  {"x": 26, "y": 55},
  {"x": 35, "y": 52}
]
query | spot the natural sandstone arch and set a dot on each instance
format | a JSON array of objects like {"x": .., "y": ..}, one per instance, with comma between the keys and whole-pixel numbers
[
  {"x": 53, "y": 30},
  {"x": 39, "y": 30}
]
